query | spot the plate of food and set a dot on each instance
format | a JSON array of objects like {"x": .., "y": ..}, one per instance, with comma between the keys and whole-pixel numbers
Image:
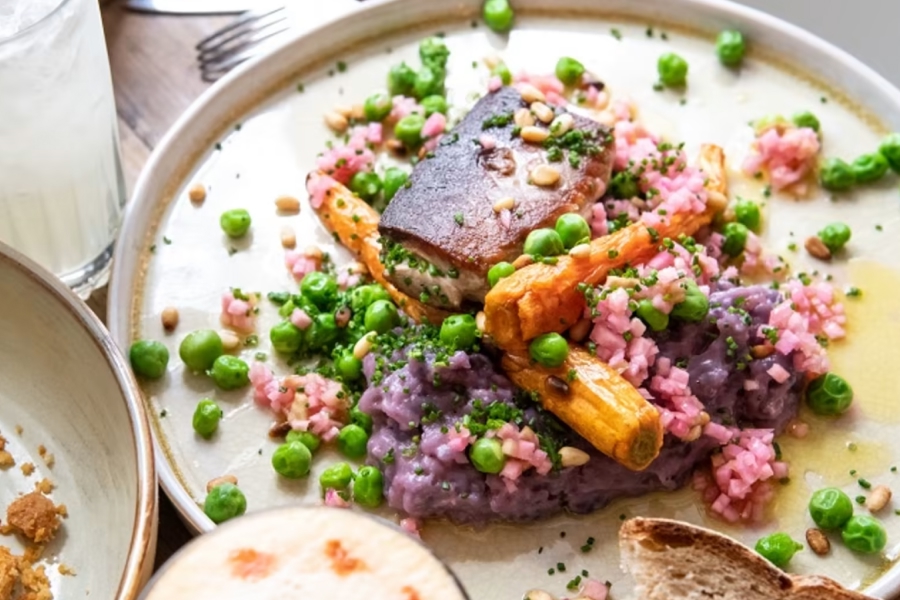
[
  {"x": 77, "y": 481},
  {"x": 511, "y": 276}
]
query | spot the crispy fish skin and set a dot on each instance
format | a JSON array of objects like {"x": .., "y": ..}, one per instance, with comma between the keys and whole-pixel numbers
[
  {"x": 356, "y": 225},
  {"x": 598, "y": 403},
  {"x": 446, "y": 215},
  {"x": 543, "y": 298}
]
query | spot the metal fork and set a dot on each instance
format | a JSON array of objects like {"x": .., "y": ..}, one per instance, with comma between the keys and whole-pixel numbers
[{"x": 247, "y": 36}]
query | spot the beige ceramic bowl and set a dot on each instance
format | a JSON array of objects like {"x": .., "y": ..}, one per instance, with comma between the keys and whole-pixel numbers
[{"x": 67, "y": 387}]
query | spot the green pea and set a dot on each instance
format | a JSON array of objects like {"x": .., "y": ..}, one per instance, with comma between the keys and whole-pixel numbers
[
  {"x": 735, "y": 238},
  {"x": 864, "y": 534},
  {"x": 368, "y": 487},
  {"x": 502, "y": 71},
  {"x": 366, "y": 185},
  {"x": 381, "y": 316},
  {"x": 200, "y": 349},
  {"x": 487, "y": 455},
  {"x": 870, "y": 167},
  {"x": 206, "y": 418},
  {"x": 695, "y": 305},
  {"x": 352, "y": 441},
  {"x": 336, "y": 477},
  {"x": 836, "y": 175},
  {"x": 672, "y": 70},
  {"x": 322, "y": 333},
  {"x": 286, "y": 338},
  {"x": 806, "y": 119},
  {"x": 409, "y": 130},
  {"x": 829, "y": 395},
  {"x": 459, "y": 332},
  {"x": 310, "y": 440},
  {"x": 544, "y": 242},
  {"x": 835, "y": 236},
  {"x": 747, "y": 214},
  {"x": 364, "y": 420},
  {"x": 498, "y": 15},
  {"x": 549, "y": 350},
  {"x": 230, "y": 372},
  {"x": 624, "y": 185},
  {"x": 573, "y": 230},
  {"x": 656, "y": 319},
  {"x": 377, "y": 107},
  {"x": 429, "y": 82},
  {"x": 148, "y": 358},
  {"x": 830, "y": 508},
  {"x": 569, "y": 70},
  {"x": 292, "y": 460},
  {"x": 890, "y": 149},
  {"x": 349, "y": 367},
  {"x": 730, "y": 47},
  {"x": 401, "y": 80},
  {"x": 394, "y": 179},
  {"x": 434, "y": 53},
  {"x": 778, "y": 548},
  {"x": 363, "y": 296},
  {"x": 235, "y": 222},
  {"x": 434, "y": 104},
  {"x": 319, "y": 288},
  {"x": 499, "y": 271},
  {"x": 223, "y": 502}
]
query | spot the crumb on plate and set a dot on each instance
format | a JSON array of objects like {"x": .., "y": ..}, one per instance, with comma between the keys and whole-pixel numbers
[{"x": 35, "y": 516}]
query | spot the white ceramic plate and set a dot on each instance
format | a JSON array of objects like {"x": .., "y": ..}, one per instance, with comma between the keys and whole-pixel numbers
[
  {"x": 275, "y": 145},
  {"x": 68, "y": 388}
]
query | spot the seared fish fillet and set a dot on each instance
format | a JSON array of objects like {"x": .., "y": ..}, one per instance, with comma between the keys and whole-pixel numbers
[{"x": 442, "y": 233}]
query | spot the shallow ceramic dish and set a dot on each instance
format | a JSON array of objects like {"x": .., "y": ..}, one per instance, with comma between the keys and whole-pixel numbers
[
  {"x": 254, "y": 137},
  {"x": 67, "y": 387}
]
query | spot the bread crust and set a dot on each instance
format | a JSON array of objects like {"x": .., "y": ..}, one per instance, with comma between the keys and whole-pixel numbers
[{"x": 653, "y": 548}]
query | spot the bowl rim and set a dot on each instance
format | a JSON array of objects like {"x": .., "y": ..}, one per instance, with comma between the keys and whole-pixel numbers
[
  {"x": 140, "y": 558},
  {"x": 145, "y": 196}
]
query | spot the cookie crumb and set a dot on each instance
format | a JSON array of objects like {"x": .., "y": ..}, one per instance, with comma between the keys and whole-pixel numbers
[
  {"x": 27, "y": 469},
  {"x": 62, "y": 510},
  {"x": 6, "y": 460},
  {"x": 35, "y": 516},
  {"x": 19, "y": 430},
  {"x": 65, "y": 569},
  {"x": 45, "y": 486}
]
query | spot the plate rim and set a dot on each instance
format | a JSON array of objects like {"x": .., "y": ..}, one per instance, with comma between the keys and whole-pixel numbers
[
  {"x": 141, "y": 552},
  {"x": 143, "y": 201}
]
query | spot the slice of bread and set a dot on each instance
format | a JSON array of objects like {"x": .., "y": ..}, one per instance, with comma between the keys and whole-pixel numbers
[{"x": 671, "y": 560}]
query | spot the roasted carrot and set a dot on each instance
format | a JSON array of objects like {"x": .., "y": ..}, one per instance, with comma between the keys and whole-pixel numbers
[
  {"x": 543, "y": 298},
  {"x": 594, "y": 400},
  {"x": 356, "y": 225}
]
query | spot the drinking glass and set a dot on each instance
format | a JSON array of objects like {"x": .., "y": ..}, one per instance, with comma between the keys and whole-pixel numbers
[{"x": 61, "y": 184}]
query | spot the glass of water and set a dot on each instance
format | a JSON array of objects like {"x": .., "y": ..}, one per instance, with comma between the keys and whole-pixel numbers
[{"x": 61, "y": 184}]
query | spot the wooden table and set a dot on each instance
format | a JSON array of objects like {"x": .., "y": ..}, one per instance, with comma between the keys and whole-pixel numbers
[{"x": 155, "y": 79}]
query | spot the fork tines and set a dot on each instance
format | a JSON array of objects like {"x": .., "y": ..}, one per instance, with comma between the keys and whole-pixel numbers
[{"x": 232, "y": 45}]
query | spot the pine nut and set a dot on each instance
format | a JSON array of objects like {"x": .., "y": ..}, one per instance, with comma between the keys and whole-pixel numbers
[
  {"x": 704, "y": 417},
  {"x": 358, "y": 112},
  {"x": 818, "y": 541},
  {"x": 336, "y": 122},
  {"x": 538, "y": 595},
  {"x": 879, "y": 498},
  {"x": 344, "y": 110},
  {"x": 716, "y": 200},
  {"x": 288, "y": 238},
  {"x": 504, "y": 204},
  {"x": 580, "y": 330},
  {"x": 217, "y": 481},
  {"x": 544, "y": 176},
  {"x": 523, "y": 117},
  {"x": 572, "y": 457},
  {"x": 530, "y": 93},
  {"x": 534, "y": 135},
  {"x": 313, "y": 252},
  {"x": 543, "y": 112},
  {"x": 169, "y": 318},
  {"x": 817, "y": 248},
  {"x": 694, "y": 434},
  {"x": 480, "y": 319},
  {"x": 358, "y": 268},
  {"x": 523, "y": 261},
  {"x": 605, "y": 117},
  {"x": 580, "y": 251},
  {"x": 491, "y": 61},
  {"x": 562, "y": 125},
  {"x": 363, "y": 346},
  {"x": 287, "y": 204},
  {"x": 230, "y": 340},
  {"x": 197, "y": 193}
]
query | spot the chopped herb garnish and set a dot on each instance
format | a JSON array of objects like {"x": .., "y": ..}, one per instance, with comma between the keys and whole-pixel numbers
[
  {"x": 853, "y": 292},
  {"x": 615, "y": 33},
  {"x": 864, "y": 483},
  {"x": 460, "y": 220}
]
